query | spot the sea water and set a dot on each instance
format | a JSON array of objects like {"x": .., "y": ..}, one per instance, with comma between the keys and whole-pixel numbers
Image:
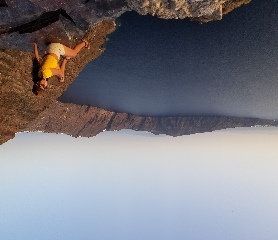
[{"x": 159, "y": 67}]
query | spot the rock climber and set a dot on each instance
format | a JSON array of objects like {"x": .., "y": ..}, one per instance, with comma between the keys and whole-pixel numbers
[{"x": 49, "y": 66}]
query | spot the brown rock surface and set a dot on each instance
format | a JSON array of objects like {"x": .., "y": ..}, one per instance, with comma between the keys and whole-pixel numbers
[
  {"x": 18, "y": 105},
  {"x": 200, "y": 10}
]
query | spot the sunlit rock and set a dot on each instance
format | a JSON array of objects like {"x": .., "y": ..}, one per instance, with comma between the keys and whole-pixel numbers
[{"x": 200, "y": 10}]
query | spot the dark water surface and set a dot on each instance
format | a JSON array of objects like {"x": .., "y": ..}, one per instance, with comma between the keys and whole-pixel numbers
[{"x": 177, "y": 67}]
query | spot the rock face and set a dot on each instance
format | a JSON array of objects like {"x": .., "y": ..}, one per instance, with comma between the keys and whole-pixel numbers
[
  {"x": 63, "y": 21},
  {"x": 201, "y": 10},
  {"x": 67, "y": 21},
  {"x": 18, "y": 105}
]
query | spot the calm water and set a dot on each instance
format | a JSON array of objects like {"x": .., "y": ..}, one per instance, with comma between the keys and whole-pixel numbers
[{"x": 177, "y": 67}]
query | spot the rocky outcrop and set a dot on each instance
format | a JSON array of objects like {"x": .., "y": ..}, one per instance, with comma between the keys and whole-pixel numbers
[
  {"x": 86, "y": 121},
  {"x": 200, "y": 10},
  {"x": 64, "y": 21},
  {"x": 67, "y": 21},
  {"x": 18, "y": 105}
]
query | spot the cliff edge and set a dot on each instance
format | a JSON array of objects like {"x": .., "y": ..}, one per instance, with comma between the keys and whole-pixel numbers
[{"x": 67, "y": 21}]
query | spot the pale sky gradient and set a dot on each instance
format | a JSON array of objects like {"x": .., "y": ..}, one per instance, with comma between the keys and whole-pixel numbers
[{"x": 132, "y": 185}]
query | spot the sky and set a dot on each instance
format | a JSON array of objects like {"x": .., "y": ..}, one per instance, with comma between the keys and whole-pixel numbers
[{"x": 135, "y": 185}]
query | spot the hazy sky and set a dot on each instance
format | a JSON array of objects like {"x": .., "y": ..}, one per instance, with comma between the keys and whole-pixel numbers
[{"x": 128, "y": 185}]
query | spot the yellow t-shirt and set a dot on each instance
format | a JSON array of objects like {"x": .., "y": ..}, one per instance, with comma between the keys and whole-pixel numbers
[{"x": 48, "y": 62}]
